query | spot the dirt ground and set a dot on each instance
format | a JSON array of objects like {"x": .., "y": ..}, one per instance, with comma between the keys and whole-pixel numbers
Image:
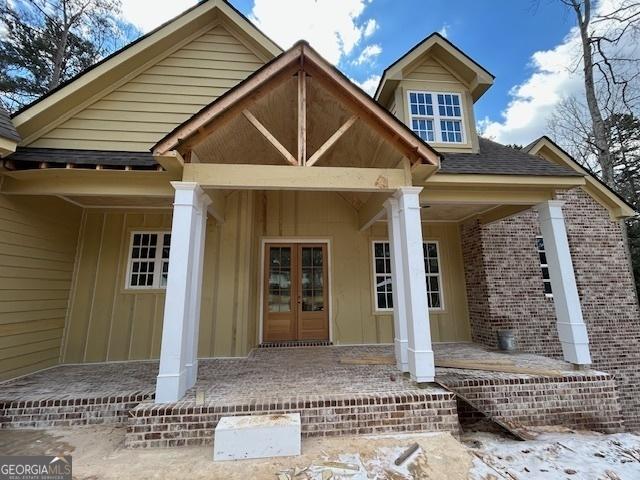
[{"x": 98, "y": 453}]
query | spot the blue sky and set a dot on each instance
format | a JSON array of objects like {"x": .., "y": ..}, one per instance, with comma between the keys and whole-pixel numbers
[{"x": 527, "y": 45}]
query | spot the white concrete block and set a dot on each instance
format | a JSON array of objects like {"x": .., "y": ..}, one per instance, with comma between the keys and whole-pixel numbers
[{"x": 257, "y": 436}]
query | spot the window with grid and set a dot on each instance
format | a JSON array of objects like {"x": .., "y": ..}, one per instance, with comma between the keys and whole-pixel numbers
[
  {"x": 437, "y": 117},
  {"x": 148, "y": 260},
  {"x": 382, "y": 273},
  {"x": 546, "y": 278},
  {"x": 382, "y": 276}
]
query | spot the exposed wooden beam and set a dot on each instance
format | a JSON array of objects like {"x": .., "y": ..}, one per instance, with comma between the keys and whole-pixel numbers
[
  {"x": 372, "y": 210},
  {"x": 501, "y": 212},
  {"x": 484, "y": 196},
  {"x": 302, "y": 114},
  {"x": 271, "y": 139},
  {"x": 77, "y": 182},
  {"x": 518, "y": 181},
  {"x": 171, "y": 161},
  {"x": 420, "y": 172},
  {"x": 218, "y": 204},
  {"x": 282, "y": 177},
  {"x": 331, "y": 141}
]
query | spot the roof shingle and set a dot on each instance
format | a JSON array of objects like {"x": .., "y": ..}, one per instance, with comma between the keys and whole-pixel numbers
[
  {"x": 83, "y": 157},
  {"x": 496, "y": 159}
]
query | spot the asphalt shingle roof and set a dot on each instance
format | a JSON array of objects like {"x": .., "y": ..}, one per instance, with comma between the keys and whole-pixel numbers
[
  {"x": 7, "y": 130},
  {"x": 83, "y": 157},
  {"x": 497, "y": 159}
]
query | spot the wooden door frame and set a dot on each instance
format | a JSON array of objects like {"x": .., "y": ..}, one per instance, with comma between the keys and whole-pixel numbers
[{"x": 295, "y": 240}]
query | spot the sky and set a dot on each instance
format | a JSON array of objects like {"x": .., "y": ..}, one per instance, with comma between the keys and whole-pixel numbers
[{"x": 529, "y": 45}]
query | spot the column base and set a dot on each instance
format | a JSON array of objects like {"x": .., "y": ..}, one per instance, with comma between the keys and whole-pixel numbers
[
  {"x": 422, "y": 365},
  {"x": 171, "y": 387},
  {"x": 191, "y": 374},
  {"x": 576, "y": 353},
  {"x": 402, "y": 354}
]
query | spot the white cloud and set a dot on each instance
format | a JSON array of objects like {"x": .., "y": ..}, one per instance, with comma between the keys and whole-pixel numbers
[
  {"x": 368, "y": 54},
  {"x": 369, "y": 85},
  {"x": 371, "y": 27},
  {"x": 557, "y": 74},
  {"x": 444, "y": 31},
  {"x": 331, "y": 26},
  {"x": 149, "y": 15}
]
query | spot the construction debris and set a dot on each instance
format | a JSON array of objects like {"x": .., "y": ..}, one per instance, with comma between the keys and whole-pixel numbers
[
  {"x": 407, "y": 453},
  {"x": 500, "y": 366},
  {"x": 369, "y": 360}
]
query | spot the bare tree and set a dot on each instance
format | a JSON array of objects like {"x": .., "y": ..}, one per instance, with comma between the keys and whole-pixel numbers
[
  {"x": 46, "y": 42},
  {"x": 603, "y": 60}
]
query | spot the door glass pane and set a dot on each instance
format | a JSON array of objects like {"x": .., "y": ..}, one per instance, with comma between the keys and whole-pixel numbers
[
  {"x": 279, "y": 298},
  {"x": 312, "y": 281}
]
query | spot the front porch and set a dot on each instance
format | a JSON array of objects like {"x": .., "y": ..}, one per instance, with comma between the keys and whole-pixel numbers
[{"x": 333, "y": 395}]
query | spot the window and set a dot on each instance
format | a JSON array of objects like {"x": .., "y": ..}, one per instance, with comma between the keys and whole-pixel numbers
[
  {"x": 382, "y": 275},
  {"x": 148, "y": 260},
  {"x": 546, "y": 278},
  {"x": 436, "y": 117}
]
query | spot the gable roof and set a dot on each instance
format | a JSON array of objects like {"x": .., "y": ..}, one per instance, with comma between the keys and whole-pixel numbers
[
  {"x": 103, "y": 76},
  {"x": 301, "y": 55},
  {"x": 478, "y": 78},
  {"x": 496, "y": 159},
  {"x": 610, "y": 199}
]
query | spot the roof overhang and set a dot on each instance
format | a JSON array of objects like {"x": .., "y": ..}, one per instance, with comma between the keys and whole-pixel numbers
[
  {"x": 300, "y": 58},
  {"x": 132, "y": 59},
  {"x": 476, "y": 78},
  {"x": 614, "y": 203},
  {"x": 7, "y": 146}
]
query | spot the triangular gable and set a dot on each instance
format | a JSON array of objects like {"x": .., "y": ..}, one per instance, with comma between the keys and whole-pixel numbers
[
  {"x": 617, "y": 206},
  {"x": 301, "y": 57},
  {"x": 459, "y": 64},
  {"x": 59, "y": 105}
]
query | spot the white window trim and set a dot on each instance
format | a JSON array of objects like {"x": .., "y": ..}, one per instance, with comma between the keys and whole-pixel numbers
[
  {"x": 543, "y": 265},
  {"x": 157, "y": 271},
  {"x": 375, "y": 275},
  {"x": 436, "y": 117},
  {"x": 441, "y": 308}
]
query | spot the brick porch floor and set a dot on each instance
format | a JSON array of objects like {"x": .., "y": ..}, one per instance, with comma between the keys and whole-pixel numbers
[{"x": 334, "y": 398}]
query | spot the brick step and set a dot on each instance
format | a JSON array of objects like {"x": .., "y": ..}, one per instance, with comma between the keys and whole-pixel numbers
[{"x": 68, "y": 412}]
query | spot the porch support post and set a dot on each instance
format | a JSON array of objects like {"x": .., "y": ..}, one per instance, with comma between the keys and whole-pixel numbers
[
  {"x": 173, "y": 377},
  {"x": 420, "y": 351},
  {"x": 196, "y": 290},
  {"x": 398, "y": 290},
  {"x": 571, "y": 327}
]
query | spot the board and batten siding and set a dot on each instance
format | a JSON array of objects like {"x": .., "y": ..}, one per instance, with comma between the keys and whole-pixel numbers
[
  {"x": 38, "y": 238},
  {"x": 134, "y": 116},
  {"x": 108, "y": 322}
]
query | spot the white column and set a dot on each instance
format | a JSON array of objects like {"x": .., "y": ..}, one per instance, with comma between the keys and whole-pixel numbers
[
  {"x": 397, "y": 277},
  {"x": 420, "y": 351},
  {"x": 571, "y": 327},
  {"x": 196, "y": 290},
  {"x": 172, "y": 379}
]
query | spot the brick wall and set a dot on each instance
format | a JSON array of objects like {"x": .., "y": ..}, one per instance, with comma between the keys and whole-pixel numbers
[
  {"x": 511, "y": 295},
  {"x": 587, "y": 402},
  {"x": 151, "y": 425}
]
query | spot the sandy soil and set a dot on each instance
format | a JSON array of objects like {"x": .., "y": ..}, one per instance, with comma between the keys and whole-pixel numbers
[{"x": 98, "y": 453}]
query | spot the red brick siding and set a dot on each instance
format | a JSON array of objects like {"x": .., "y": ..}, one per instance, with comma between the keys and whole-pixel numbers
[{"x": 514, "y": 296}]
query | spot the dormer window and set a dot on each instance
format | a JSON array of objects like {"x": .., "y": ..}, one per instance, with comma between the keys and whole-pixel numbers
[{"x": 436, "y": 117}]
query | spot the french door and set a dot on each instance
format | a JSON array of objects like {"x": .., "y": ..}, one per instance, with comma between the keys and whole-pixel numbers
[{"x": 295, "y": 292}]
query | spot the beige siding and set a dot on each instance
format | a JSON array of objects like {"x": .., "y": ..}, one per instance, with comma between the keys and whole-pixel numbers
[
  {"x": 139, "y": 113},
  {"x": 37, "y": 251},
  {"x": 431, "y": 70},
  {"x": 108, "y": 322}
]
